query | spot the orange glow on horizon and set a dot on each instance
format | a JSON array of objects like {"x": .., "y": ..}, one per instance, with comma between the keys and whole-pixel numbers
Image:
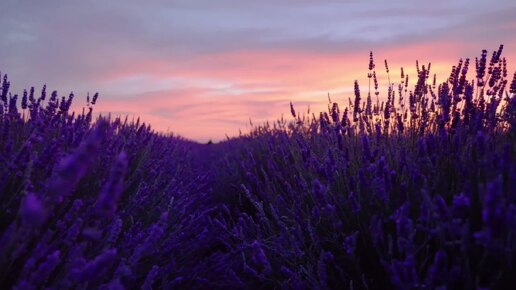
[{"x": 216, "y": 94}]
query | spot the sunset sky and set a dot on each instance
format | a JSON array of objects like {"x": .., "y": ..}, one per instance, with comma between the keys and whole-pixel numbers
[{"x": 203, "y": 68}]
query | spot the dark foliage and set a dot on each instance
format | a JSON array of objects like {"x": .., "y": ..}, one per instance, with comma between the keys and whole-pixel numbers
[{"x": 416, "y": 192}]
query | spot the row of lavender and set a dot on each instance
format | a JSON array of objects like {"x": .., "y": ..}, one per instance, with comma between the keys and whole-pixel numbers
[
  {"x": 381, "y": 195},
  {"x": 415, "y": 195},
  {"x": 86, "y": 205}
]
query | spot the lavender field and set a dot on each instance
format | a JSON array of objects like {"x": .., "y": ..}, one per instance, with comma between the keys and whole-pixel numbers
[{"x": 410, "y": 187}]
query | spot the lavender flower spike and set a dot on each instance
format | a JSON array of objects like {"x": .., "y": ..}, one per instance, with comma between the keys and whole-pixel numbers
[
  {"x": 32, "y": 210},
  {"x": 107, "y": 201}
]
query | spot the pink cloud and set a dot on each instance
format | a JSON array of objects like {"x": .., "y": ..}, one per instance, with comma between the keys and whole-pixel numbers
[{"x": 219, "y": 92}]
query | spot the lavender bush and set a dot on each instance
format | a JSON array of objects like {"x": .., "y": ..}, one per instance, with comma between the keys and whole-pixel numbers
[{"x": 412, "y": 192}]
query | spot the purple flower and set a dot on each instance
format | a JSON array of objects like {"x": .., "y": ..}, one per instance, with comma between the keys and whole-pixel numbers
[
  {"x": 350, "y": 243},
  {"x": 110, "y": 193},
  {"x": 368, "y": 108},
  {"x": 73, "y": 232},
  {"x": 156, "y": 232},
  {"x": 96, "y": 267},
  {"x": 371, "y": 61},
  {"x": 404, "y": 274},
  {"x": 44, "y": 269},
  {"x": 115, "y": 284},
  {"x": 319, "y": 190},
  {"x": 386, "y": 67},
  {"x": 92, "y": 233},
  {"x": 259, "y": 257},
  {"x": 24, "y": 100},
  {"x": 71, "y": 169},
  {"x": 403, "y": 222},
  {"x": 512, "y": 88},
  {"x": 493, "y": 209},
  {"x": 496, "y": 56},
  {"x": 366, "y": 148},
  {"x": 151, "y": 276},
  {"x": 437, "y": 272},
  {"x": 292, "y": 111},
  {"x": 5, "y": 89},
  {"x": 94, "y": 99},
  {"x": 116, "y": 228},
  {"x": 481, "y": 67},
  {"x": 72, "y": 213},
  {"x": 335, "y": 113},
  {"x": 356, "y": 107},
  {"x": 32, "y": 210}
]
